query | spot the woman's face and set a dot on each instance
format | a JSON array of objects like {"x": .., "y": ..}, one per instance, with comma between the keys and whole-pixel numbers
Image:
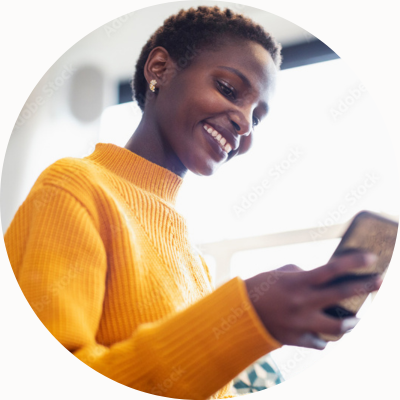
[{"x": 226, "y": 92}]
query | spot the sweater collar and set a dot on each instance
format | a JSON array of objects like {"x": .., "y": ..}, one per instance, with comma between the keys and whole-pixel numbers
[{"x": 138, "y": 170}]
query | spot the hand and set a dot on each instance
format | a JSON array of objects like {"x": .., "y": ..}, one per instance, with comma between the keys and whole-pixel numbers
[{"x": 290, "y": 301}]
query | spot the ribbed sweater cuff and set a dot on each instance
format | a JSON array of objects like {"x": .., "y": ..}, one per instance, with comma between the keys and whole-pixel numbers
[{"x": 210, "y": 342}]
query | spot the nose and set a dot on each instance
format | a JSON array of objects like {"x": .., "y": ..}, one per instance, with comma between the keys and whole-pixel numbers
[
  {"x": 235, "y": 125},
  {"x": 241, "y": 123}
]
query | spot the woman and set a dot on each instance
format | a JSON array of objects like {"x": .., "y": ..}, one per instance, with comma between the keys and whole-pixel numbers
[{"x": 104, "y": 258}]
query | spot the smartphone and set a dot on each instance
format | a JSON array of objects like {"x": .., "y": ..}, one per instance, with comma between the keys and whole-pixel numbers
[{"x": 369, "y": 232}]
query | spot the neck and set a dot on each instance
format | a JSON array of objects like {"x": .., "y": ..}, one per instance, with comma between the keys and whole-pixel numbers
[{"x": 148, "y": 142}]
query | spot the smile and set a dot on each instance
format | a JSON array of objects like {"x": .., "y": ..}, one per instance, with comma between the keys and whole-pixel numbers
[{"x": 218, "y": 138}]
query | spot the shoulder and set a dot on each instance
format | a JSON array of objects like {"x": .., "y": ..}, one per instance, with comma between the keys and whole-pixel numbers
[
  {"x": 76, "y": 177},
  {"x": 71, "y": 174},
  {"x": 68, "y": 185}
]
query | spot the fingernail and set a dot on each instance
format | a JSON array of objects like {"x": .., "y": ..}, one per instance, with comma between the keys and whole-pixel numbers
[
  {"x": 349, "y": 323},
  {"x": 370, "y": 258},
  {"x": 321, "y": 344}
]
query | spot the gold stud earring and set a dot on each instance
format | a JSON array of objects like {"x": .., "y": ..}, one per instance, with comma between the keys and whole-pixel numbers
[{"x": 152, "y": 85}]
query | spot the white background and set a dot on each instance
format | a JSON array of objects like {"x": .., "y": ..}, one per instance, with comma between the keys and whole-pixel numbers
[{"x": 35, "y": 35}]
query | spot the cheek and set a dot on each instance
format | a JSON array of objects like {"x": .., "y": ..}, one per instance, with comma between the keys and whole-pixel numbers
[
  {"x": 188, "y": 105},
  {"x": 215, "y": 103},
  {"x": 205, "y": 98}
]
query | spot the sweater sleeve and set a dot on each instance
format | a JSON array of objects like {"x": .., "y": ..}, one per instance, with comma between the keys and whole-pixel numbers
[{"x": 61, "y": 268}]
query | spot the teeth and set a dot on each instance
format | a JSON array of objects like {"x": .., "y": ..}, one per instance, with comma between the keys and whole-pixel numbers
[{"x": 220, "y": 139}]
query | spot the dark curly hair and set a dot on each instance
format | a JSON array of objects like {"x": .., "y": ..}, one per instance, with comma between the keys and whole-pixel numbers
[{"x": 195, "y": 29}]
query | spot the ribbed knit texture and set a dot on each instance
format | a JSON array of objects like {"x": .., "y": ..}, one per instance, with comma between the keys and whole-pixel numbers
[{"x": 105, "y": 261}]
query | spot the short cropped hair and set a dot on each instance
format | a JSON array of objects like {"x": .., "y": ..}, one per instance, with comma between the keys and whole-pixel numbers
[{"x": 196, "y": 29}]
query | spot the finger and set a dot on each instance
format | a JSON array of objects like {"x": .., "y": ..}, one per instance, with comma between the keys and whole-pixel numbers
[
  {"x": 311, "y": 341},
  {"x": 332, "y": 326},
  {"x": 323, "y": 297},
  {"x": 339, "y": 266}
]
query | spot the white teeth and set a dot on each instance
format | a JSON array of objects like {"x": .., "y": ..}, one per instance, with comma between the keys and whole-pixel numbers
[{"x": 220, "y": 139}]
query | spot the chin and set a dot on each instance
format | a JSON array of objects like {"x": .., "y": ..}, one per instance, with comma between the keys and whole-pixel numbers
[
  {"x": 204, "y": 167},
  {"x": 204, "y": 171}
]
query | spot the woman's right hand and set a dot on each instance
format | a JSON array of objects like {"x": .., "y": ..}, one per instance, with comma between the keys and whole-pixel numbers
[{"x": 290, "y": 302}]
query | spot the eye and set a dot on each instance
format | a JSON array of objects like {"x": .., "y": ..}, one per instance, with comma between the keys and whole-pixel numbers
[
  {"x": 226, "y": 90},
  {"x": 256, "y": 121}
]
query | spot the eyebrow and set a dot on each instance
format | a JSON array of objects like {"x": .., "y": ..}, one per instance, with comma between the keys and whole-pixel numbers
[
  {"x": 246, "y": 82},
  {"x": 238, "y": 73}
]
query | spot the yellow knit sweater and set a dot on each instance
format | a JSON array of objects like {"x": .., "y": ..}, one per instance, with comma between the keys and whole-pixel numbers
[{"x": 104, "y": 259}]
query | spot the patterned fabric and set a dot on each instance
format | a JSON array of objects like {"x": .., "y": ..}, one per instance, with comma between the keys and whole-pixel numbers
[{"x": 261, "y": 375}]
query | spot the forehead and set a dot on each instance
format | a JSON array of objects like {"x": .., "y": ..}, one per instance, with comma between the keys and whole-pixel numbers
[{"x": 246, "y": 56}]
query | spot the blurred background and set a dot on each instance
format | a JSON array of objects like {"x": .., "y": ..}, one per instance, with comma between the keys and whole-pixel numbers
[{"x": 321, "y": 156}]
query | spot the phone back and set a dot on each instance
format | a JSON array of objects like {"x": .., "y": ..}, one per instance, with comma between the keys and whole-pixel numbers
[{"x": 372, "y": 233}]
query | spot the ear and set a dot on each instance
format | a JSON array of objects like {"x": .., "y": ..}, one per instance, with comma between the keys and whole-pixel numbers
[{"x": 158, "y": 66}]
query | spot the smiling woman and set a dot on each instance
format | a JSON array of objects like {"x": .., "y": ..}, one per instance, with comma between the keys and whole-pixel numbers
[
  {"x": 213, "y": 91},
  {"x": 105, "y": 260},
  {"x": 210, "y": 94}
]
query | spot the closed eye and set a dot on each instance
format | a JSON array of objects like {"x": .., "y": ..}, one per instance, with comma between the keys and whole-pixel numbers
[
  {"x": 229, "y": 92},
  {"x": 226, "y": 90}
]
